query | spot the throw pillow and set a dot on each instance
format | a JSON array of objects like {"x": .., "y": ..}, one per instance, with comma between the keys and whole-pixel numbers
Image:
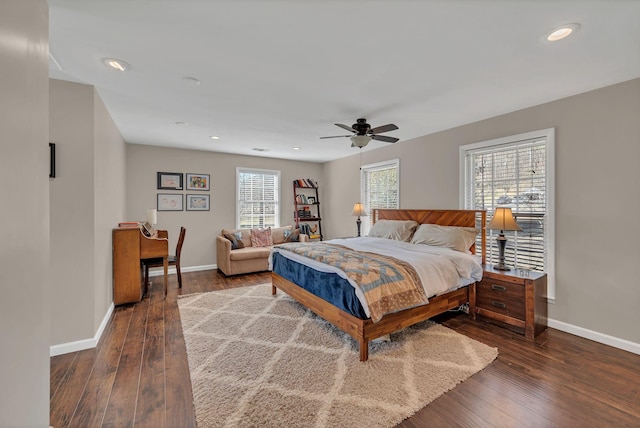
[
  {"x": 261, "y": 237},
  {"x": 400, "y": 230},
  {"x": 292, "y": 235},
  {"x": 236, "y": 242},
  {"x": 454, "y": 237}
]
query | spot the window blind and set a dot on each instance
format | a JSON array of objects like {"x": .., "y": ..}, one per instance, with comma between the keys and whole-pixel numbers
[
  {"x": 380, "y": 189},
  {"x": 513, "y": 174},
  {"x": 258, "y": 198}
]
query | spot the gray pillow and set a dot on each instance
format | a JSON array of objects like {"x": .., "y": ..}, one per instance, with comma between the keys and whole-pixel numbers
[
  {"x": 400, "y": 230},
  {"x": 235, "y": 241},
  {"x": 454, "y": 237},
  {"x": 292, "y": 235}
]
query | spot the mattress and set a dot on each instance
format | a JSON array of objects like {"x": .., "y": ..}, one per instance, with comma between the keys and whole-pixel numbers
[{"x": 440, "y": 269}]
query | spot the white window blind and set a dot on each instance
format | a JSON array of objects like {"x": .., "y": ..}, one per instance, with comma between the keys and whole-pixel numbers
[
  {"x": 515, "y": 172},
  {"x": 258, "y": 198},
  {"x": 380, "y": 188}
]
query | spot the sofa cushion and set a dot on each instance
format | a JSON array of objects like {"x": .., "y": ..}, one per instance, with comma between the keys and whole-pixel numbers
[
  {"x": 243, "y": 235},
  {"x": 278, "y": 234},
  {"x": 236, "y": 240},
  {"x": 292, "y": 235},
  {"x": 249, "y": 253},
  {"x": 261, "y": 237}
]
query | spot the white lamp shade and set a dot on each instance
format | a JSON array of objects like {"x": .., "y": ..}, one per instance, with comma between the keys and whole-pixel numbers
[
  {"x": 503, "y": 220},
  {"x": 358, "y": 210},
  {"x": 152, "y": 216}
]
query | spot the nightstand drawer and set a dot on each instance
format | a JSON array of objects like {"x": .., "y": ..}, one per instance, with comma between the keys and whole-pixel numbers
[{"x": 501, "y": 297}]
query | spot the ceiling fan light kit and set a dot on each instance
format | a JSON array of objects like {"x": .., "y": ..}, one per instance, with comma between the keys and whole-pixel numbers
[
  {"x": 360, "y": 140},
  {"x": 363, "y": 133}
]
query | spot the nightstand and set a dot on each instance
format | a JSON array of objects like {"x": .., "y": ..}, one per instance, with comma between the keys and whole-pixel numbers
[{"x": 512, "y": 300}]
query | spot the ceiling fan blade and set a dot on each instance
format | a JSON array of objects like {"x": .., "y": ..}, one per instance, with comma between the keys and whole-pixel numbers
[
  {"x": 348, "y": 128},
  {"x": 385, "y": 138},
  {"x": 337, "y": 136},
  {"x": 383, "y": 128}
]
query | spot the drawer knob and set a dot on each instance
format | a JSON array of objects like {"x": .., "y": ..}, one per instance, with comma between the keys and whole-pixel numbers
[
  {"x": 498, "y": 304},
  {"x": 498, "y": 287}
]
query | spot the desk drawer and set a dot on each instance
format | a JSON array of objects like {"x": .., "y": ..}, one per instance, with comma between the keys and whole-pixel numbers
[{"x": 501, "y": 297}]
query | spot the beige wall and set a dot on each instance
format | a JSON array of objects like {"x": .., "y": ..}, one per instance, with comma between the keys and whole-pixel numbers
[
  {"x": 87, "y": 201},
  {"x": 143, "y": 162},
  {"x": 109, "y": 202},
  {"x": 24, "y": 171},
  {"x": 597, "y": 153},
  {"x": 72, "y": 212}
]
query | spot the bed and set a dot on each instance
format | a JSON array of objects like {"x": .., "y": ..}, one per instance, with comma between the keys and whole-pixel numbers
[{"x": 344, "y": 311}]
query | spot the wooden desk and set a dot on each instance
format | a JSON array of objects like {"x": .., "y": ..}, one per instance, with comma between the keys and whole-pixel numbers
[{"x": 130, "y": 247}]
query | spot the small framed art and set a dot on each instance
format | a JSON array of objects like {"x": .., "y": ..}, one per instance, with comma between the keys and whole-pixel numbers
[
  {"x": 169, "y": 202},
  {"x": 197, "y": 202},
  {"x": 170, "y": 180},
  {"x": 197, "y": 181}
]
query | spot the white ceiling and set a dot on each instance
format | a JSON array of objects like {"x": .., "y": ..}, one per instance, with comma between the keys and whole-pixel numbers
[{"x": 278, "y": 74}]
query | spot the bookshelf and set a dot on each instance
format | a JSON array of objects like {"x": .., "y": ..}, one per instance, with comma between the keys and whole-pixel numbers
[{"x": 307, "y": 208}]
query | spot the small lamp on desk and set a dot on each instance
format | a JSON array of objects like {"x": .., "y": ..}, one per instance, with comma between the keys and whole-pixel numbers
[
  {"x": 152, "y": 217},
  {"x": 502, "y": 220},
  {"x": 358, "y": 210}
]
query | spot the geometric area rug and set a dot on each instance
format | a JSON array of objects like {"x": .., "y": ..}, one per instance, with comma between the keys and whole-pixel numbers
[{"x": 262, "y": 361}]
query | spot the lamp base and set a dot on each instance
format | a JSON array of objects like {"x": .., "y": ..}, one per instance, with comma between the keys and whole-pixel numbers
[
  {"x": 502, "y": 243},
  {"x": 501, "y": 266}
]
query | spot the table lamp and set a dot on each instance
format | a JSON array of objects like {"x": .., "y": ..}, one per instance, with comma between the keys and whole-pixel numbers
[
  {"x": 502, "y": 220},
  {"x": 358, "y": 210},
  {"x": 152, "y": 217}
]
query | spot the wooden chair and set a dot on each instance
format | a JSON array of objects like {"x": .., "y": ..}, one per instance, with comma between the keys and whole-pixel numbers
[{"x": 173, "y": 261}]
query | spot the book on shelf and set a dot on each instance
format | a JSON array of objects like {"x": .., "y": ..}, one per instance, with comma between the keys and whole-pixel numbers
[{"x": 305, "y": 182}]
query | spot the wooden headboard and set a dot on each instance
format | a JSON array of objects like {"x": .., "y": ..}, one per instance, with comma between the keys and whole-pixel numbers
[{"x": 464, "y": 218}]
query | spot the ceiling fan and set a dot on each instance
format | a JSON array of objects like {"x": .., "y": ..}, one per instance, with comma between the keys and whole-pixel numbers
[{"x": 363, "y": 133}]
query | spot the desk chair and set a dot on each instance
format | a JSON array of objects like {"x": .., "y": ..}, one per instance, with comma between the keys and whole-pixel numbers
[{"x": 173, "y": 261}]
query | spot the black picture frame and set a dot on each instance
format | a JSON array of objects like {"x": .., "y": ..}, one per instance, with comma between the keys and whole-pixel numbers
[
  {"x": 170, "y": 180},
  {"x": 198, "y": 202},
  {"x": 52, "y": 160},
  {"x": 198, "y": 181}
]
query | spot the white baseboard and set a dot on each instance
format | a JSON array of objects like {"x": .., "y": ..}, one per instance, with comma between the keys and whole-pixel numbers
[
  {"x": 606, "y": 339},
  {"x": 81, "y": 345},
  {"x": 616, "y": 342}
]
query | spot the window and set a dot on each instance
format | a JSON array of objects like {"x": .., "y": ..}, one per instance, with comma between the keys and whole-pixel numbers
[
  {"x": 515, "y": 172},
  {"x": 258, "y": 198},
  {"x": 380, "y": 188}
]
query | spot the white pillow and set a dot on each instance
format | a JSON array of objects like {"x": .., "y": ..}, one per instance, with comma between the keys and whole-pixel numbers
[
  {"x": 457, "y": 238},
  {"x": 400, "y": 230}
]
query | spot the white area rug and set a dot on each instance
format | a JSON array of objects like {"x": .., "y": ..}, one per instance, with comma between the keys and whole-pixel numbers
[{"x": 263, "y": 361}]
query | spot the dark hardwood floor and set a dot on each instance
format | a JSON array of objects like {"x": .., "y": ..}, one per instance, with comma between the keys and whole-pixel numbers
[{"x": 138, "y": 374}]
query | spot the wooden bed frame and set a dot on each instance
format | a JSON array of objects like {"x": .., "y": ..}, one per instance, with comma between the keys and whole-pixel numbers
[{"x": 366, "y": 330}]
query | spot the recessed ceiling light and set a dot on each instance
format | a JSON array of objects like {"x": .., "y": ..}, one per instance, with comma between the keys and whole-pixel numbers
[
  {"x": 214, "y": 137},
  {"x": 116, "y": 64},
  {"x": 296, "y": 148},
  {"x": 562, "y": 32}
]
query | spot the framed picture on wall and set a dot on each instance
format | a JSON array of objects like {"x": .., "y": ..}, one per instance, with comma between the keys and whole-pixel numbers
[
  {"x": 170, "y": 180},
  {"x": 197, "y": 202},
  {"x": 169, "y": 202},
  {"x": 197, "y": 181}
]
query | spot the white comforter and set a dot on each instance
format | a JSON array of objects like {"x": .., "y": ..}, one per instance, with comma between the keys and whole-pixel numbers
[{"x": 440, "y": 269}]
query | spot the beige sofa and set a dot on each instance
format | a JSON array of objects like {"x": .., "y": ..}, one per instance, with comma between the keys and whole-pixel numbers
[{"x": 248, "y": 259}]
